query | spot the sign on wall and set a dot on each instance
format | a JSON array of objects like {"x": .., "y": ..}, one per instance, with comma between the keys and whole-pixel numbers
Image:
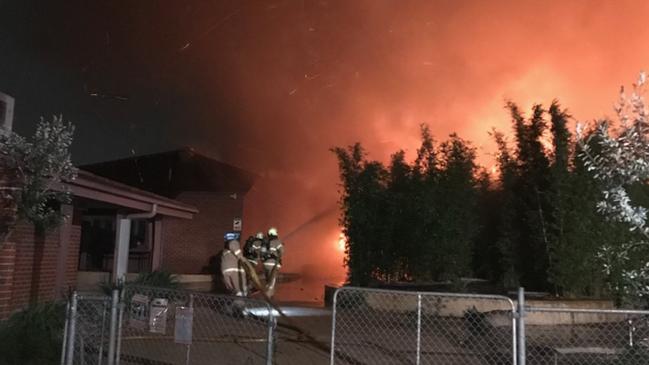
[
  {"x": 183, "y": 327},
  {"x": 139, "y": 311},
  {"x": 236, "y": 224},
  {"x": 158, "y": 315}
]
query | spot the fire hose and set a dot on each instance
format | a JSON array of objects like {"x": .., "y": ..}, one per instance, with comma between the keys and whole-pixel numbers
[{"x": 250, "y": 271}]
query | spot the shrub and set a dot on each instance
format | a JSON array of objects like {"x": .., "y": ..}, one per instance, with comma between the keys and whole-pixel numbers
[
  {"x": 33, "y": 336},
  {"x": 159, "y": 279}
]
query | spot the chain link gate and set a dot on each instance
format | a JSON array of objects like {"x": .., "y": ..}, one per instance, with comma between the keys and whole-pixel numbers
[
  {"x": 85, "y": 337},
  {"x": 395, "y": 327},
  {"x": 147, "y": 325},
  {"x": 231, "y": 329}
]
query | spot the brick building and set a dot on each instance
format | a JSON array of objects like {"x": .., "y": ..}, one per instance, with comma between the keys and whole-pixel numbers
[
  {"x": 215, "y": 188},
  {"x": 41, "y": 266},
  {"x": 164, "y": 211},
  {"x": 28, "y": 266}
]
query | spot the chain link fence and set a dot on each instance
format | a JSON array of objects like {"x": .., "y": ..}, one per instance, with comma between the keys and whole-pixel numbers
[
  {"x": 86, "y": 333},
  {"x": 156, "y": 326},
  {"x": 181, "y": 327},
  {"x": 396, "y": 327},
  {"x": 145, "y": 325},
  {"x": 586, "y": 336}
]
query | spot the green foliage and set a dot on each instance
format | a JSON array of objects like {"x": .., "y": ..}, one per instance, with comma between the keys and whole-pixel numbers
[
  {"x": 363, "y": 184},
  {"x": 33, "y": 336},
  {"x": 549, "y": 232},
  {"x": 39, "y": 166},
  {"x": 530, "y": 204},
  {"x": 409, "y": 221},
  {"x": 159, "y": 279},
  {"x": 441, "y": 217}
]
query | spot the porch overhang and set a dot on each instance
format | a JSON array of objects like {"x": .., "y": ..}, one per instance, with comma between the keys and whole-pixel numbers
[
  {"x": 139, "y": 204},
  {"x": 91, "y": 186}
]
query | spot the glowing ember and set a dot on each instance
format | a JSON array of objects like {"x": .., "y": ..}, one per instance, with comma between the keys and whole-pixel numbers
[{"x": 342, "y": 241}]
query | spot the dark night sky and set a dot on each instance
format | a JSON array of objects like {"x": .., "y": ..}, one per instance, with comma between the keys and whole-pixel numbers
[
  {"x": 146, "y": 76},
  {"x": 272, "y": 85},
  {"x": 57, "y": 54}
]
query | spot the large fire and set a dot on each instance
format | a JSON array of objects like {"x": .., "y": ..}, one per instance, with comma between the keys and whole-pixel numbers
[{"x": 297, "y": 88}]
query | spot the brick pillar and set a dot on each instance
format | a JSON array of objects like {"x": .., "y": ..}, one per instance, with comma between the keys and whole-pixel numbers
[
  {"x": 7, "y": 265},
  {"x": 8, "y": 209},
  {"x": 8, "y": 196}
]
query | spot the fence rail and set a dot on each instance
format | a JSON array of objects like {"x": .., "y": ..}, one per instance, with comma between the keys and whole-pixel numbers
[
  {"x": 85, "y": 339},
  {"x": 388, "y": 327},
  {"x": 144, "y": 325},
  {"x": 395, "y": 327},
  {"x": 586, "y": 336}
]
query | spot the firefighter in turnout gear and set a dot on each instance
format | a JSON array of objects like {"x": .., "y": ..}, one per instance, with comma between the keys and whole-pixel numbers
[
  {"x": 272, "y": 260},
  {"x": 253, "y": 249},
  {"x": 234, "y": 275}
]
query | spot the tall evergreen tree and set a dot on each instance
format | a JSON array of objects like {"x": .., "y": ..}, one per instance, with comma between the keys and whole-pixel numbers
[
  {"x": 528, "y": 200},
  {"x": 508, "y": 228},
  {"x": 558, "y": 197},
  {"x": 457, "y": 201},
  {"x": 361, "y": 203}
]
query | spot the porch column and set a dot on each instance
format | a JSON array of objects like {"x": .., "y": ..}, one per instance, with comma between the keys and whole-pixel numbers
[
  {"x": 156, "y": 260},
  {"x": 122, "y": 241}
]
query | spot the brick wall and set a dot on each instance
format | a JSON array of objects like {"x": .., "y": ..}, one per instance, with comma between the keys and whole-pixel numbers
[
  {"x": 7, "y": 263},
  {"x": 30, "y": 275},
  {"x": 188, "y": 245}
]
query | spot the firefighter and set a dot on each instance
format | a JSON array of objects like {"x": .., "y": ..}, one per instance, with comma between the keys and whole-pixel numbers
[
  {"x": 253, "y": 248},
  {"x": 234, "y": 275},
  {"x": 272, "y": 260}
]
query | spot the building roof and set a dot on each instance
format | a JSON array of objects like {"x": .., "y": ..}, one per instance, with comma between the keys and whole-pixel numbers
[
  {"x": 90, "y": 186},
  {"x": 170, "y": 173}
]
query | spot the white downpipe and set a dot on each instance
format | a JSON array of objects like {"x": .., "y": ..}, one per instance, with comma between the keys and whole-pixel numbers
[
  {"x": 146, "y": 215},
  {"x": 122, "y": 240}
]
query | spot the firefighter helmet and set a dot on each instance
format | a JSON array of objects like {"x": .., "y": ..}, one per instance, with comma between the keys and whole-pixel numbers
[
  {"x": 260, "y": 235},
  {"x": 230, "y": 236},
  {"x": 272, "y": 232}
]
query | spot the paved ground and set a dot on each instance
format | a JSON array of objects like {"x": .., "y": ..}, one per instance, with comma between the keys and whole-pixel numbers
[
  {"x": 294, "y": 347},
  {"x": 222, "y": 339}
]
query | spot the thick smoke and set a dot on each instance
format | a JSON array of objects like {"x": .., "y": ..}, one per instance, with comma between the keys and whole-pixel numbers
[
  {"x": 310, "y": 75},
  {"x": 271, "y": 86}
]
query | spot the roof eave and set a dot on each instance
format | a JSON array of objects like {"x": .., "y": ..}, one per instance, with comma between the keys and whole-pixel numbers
[{"x": 94, "y": 187}]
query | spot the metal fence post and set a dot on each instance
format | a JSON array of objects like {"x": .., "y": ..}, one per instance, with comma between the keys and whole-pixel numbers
[
  {"x": 418, "y": 329},
  {"x": 82, "y": 351},
  {"x": 65, "y": 332},
  {"x": 520, "y": 328},
  {"x": 100, "y": 355},
  {"x": 72, "y": 327},
  {"x": 333, "y": 329},
  {"x": 113, "y": 327},
  {"x": 120, "y": 318},
  {"x": 188, "y": 347},
  {"x": 271, "y": 336}
]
